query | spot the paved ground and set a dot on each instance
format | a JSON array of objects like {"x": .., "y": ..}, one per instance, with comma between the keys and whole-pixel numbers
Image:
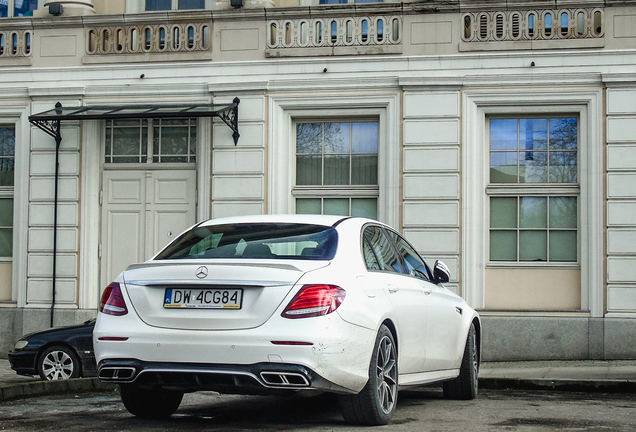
[{"x": 591, "y": 375}]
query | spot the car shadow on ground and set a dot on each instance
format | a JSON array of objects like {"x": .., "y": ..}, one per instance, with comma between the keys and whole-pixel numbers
[{"x": 200, "y": 411}]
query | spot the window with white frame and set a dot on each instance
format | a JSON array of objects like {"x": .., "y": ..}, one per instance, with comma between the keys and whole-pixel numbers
[
  {"x": 337, "y": 168},
  {"x": 17, "y": 8},
  {"x": 7, "y": 171},
  {"x": 151, "y": 141},
  {"x": 534, "y": 189}
]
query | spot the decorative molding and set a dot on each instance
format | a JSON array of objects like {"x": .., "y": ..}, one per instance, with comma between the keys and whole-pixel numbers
[
  {"x": 537, "y": 24},
  {"x": 375, "y": 34},
  {"x": 149, "y": 38},
  {"x": 15, "y": 43},
  {"x": 532, "y": 29}
]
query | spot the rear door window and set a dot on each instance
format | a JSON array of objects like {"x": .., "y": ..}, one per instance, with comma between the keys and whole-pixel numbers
[{"x": 384, "y": 256}]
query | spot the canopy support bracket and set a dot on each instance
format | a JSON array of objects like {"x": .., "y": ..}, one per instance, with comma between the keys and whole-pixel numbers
[{"x": 230, "y": 118}]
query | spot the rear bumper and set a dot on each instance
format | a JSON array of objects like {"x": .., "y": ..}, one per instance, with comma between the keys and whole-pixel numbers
[
  {"x": 326, "y": 347},
  {"x": 259, "y": 378}
]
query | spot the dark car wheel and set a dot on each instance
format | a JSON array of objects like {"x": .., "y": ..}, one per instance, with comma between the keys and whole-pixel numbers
[
  {"x": 465, "y": 385},
  {"x": 375, "y": 404},
  {"x": 58, "y": 363},
  {"x": 149, "y": 403}
]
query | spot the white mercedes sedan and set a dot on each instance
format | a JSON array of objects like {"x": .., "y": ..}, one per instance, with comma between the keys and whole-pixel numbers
[{"x": 286, "y": 304}]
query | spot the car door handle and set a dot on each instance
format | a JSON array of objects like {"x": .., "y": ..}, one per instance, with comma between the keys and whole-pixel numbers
[
  {"x": 428, "y": 291},
  {"x": 393, "y": 288}
]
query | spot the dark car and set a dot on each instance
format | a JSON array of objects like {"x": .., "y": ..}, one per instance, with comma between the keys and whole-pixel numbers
[{"x": 56, "y": 354}]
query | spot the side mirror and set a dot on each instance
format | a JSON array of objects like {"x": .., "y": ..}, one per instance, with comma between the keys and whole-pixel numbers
[{"x": 441, "y": 273}]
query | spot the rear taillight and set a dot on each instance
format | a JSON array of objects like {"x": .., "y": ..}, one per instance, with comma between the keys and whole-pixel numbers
[
  {"x": 112, "y": 302},
  {"x": 315, "y": 300}
]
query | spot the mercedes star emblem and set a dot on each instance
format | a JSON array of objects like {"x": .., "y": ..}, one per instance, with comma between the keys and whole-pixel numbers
[{"x": 202, "y": 272}]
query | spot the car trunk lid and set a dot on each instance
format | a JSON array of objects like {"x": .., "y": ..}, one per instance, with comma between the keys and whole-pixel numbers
[{"x": 223, "y": 295}]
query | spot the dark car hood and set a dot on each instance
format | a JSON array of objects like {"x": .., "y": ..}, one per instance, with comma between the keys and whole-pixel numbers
[{"x": 90, "y": 323}]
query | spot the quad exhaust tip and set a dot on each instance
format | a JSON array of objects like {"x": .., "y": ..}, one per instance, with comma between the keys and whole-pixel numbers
[
  {"x": 117, "y": 373},
  {"x": 284, "y": 379}
]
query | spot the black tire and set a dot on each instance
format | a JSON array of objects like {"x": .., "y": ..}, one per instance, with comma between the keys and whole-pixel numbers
[
  {"x": 58, "y": 363},
  {"x": 465, "y": 386},
  {"x": 149, "y": 403},
  {"x": 375, "y": 404}
]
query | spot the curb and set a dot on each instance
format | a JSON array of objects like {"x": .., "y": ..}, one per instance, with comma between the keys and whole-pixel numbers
[
  {"x": 88, "y": 385},
  {"x": 570, "y": 385},
  {"x": 44, "y": 388}
]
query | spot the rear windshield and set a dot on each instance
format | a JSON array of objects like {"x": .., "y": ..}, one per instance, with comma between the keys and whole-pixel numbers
[{"x": 254, "y": 241}]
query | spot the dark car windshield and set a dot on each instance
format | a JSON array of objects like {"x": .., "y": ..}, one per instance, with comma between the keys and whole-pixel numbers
[{"x": 254, "y": 241}]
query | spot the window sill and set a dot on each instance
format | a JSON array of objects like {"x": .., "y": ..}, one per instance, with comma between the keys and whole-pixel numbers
[{"x": 540, "y": 265}]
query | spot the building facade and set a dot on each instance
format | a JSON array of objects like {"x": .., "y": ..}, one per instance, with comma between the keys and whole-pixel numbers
[{"x": 499, "y": 137}]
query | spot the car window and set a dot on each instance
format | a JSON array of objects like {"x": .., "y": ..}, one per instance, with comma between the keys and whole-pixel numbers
[
  {"x": 411, "y": 261},
  {"x": 386, "y": 258},
  {"x": 254, "y": 241}
]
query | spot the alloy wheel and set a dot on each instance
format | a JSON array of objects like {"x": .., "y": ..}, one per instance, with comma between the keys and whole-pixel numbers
[{"x": 386, "y": 374}]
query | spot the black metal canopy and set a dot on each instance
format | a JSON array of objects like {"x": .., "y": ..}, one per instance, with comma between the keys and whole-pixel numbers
[{"x": 49, "y": 121}]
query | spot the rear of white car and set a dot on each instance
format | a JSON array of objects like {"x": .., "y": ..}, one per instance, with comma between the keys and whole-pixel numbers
[
  {"x": 242, "y": 330},
  {"x": 254, "y": 305}
]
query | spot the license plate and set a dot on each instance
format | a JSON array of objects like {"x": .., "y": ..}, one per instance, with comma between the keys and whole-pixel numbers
[{"x": 203, "y": 298}]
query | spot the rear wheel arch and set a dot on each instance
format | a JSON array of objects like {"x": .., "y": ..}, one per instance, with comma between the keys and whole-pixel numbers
[
  {"x": 375, "y": 404},
  {"x": 391, "y": 326},
  {"x": 477, "y": 323}
]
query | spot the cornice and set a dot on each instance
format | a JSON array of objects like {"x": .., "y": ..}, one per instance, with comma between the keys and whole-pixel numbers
[
  {"x": 534, "y": 80},
  {"x": 334, "y": 85},
  {"x": 57, "y": 92}
]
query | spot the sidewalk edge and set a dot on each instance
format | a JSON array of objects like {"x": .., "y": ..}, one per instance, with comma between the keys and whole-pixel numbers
[{"x": 44, "y": 388}]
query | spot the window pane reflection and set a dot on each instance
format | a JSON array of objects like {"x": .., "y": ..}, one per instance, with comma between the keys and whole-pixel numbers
[
  {"x": 336, "y": 206},
  {"x": 545, "y": 229},
  {"x": 533, "y": 134},
  {"x": 563, "y": 246},
  {"x": 503, "y": 134},
  {"x": 533, "y": 168},
  {"x": 191, "y": 4},
  {"x": 364, "y": 207},
  {"x": 533, "y": 246},
  {"x": 503, "y": 212},
  {"x": 533, "y": 212},
  {"x": 337, "y": 138},
  {"x": 7, "y": 156},
  {"x": 503, "y": 246},
  {"x": 22, "y": 7},
  {"x": 563, "y": 212},
  {"x": 503, "y": 167},
  {"x": 534, "y": 150},
  {"x": 308, "y": 206},
  {"x": 336, "y": 170},
  {"x": 364, "y": 137},
  {"x": 337, "y": 153},
  {"x": 152, "y": 5}
]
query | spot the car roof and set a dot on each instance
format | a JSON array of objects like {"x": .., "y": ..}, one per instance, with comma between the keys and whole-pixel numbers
[{"x": 326, "y": 220}]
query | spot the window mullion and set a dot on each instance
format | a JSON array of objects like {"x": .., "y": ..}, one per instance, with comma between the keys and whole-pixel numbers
[{"x": 150, "y": 141}]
